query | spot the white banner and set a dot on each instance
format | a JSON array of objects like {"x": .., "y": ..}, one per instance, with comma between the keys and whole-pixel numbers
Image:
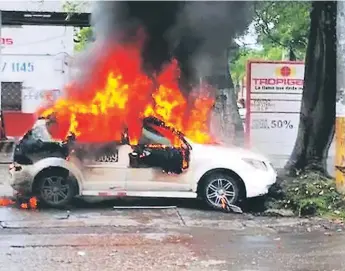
[{"x": 273, "y": 105}]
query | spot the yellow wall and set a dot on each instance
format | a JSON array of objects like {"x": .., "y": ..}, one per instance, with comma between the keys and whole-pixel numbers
[{"x": 340, "y": 152}]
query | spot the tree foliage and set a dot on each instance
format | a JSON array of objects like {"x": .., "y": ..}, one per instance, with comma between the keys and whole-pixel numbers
[
  {"x": 82, "y": 38},
  {"x": 283, "y": 23},
  {"x": 83, "y": 35},
  {"x": 239, "y": 62},
  {"x": 282, "y": 28}
]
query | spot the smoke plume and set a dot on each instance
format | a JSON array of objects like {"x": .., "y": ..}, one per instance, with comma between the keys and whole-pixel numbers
[{"x": 196, "y": 33}]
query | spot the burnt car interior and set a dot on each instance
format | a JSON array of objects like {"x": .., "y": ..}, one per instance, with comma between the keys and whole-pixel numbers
[
  {"x": 37, "y": 144},
  {"x": 154, "y": 149}
]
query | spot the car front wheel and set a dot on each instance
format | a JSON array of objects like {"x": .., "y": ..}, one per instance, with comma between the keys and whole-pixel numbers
[
  {"x": 55, "y": 189},
  {"x": 220, "y": 189}
]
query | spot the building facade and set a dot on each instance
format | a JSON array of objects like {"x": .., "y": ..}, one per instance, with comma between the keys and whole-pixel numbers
[{"x": 34, "y": 68}]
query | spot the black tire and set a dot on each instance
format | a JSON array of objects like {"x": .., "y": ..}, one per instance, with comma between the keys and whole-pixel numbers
[
  {"x": 230, "y": 184},
  {"x": 55, "y": 189}
]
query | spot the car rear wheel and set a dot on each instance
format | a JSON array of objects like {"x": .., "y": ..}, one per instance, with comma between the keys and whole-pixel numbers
[
  {"x": 55, "y": 189},
  {"x": 221, "y": 189}
]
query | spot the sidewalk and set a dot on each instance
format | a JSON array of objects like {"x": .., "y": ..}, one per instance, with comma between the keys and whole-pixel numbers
[{"x": 5, "y": 189}]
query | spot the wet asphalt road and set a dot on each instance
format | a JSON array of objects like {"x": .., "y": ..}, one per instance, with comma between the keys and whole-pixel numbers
[{"x": 98, "y": 237}]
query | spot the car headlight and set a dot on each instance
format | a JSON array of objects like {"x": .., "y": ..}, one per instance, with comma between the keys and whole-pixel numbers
[{"x": 256, "y": 163}]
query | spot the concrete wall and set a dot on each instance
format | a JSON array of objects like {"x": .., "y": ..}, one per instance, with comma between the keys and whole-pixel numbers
[
  {"x": 280, "y": 160},
  {"x": 37, "y": 57}
]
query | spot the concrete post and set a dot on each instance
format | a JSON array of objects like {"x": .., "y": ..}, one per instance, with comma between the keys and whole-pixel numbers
[{"x": 0, "y": 57}]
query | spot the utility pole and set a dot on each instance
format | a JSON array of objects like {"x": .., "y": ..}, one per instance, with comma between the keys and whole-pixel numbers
[
  {"x": 2, "y": 122},
  {"x": 0, "y": 58},
  {"x": 340, "y": 99}
]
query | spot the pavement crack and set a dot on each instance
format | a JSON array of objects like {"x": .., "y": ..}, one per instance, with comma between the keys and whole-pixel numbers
[
  {"x": 80, "y": 245},
  {"x": 43, "y": 246},
  {"x": 180, "y": 217}
]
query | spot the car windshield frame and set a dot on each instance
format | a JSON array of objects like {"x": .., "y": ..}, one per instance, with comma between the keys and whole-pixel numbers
[
  {"x": 153, "y": 122},
  {"x": 179, "y": 134},
  {"x": 40, "y": 131},
  {"x": 152, "y": 134}
]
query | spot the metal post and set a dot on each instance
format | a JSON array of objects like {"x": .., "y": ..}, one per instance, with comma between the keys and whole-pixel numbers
[
  {"x": 2, "y": 122},
  {"x": 0, "y": 58},
  {"x": 340, "y": 100}
]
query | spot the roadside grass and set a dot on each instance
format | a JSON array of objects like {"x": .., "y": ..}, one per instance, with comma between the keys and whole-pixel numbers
[{"x": 308, "y": 194}]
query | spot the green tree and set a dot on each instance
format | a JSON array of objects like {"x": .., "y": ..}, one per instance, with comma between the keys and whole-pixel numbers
[
  {"x": 282, "y": 27},
  {"x": 82, "y": 38},
  {"x": 317, "y": 118},
  {"x": 239, "y": 63},
  {"x": 83, "y": 35},
  {"x": 284, "y": 24}
]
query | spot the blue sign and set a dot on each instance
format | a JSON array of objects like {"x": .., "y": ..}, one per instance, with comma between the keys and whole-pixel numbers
[{"x": 17, "y": 66}]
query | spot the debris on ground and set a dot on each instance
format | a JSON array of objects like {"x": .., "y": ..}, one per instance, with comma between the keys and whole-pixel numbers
[
  {"x": 68, "y": 213},
  {"x": 81, "y": 253},
  {"x": 226, "y": 206},
  {"x": 234, "y": 208},
  {"x": 279, "y": 212}
]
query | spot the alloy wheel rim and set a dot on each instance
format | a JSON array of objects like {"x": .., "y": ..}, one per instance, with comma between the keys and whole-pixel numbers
[
  {"x": 55, "y": 189},
  {"x": 219, "y": 190}
]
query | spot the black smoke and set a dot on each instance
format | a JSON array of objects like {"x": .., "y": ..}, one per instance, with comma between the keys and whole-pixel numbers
[{"x": 196, "y": 33}]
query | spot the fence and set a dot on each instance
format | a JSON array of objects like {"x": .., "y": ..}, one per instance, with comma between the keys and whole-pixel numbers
[{"x": 11, "y": 96}]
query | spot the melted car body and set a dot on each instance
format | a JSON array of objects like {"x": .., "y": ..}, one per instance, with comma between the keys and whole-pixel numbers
[{"x": 164, "y": 163}]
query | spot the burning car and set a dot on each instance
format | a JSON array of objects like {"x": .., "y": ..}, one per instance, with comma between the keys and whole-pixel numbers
[{"x": 164, "y": 163}]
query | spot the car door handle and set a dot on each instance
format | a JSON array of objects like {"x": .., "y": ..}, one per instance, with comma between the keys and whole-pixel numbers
[{"x": 114, "y": 187}]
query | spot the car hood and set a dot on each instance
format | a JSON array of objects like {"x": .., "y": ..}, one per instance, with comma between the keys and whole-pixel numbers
[{"x": 208, "y": 151}]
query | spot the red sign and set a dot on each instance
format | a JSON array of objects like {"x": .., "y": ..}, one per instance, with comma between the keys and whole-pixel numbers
[
  {"x": 6, "y": 41},
  {"x": 278, "y": 81},
  {"x": 285, "y": 71}
]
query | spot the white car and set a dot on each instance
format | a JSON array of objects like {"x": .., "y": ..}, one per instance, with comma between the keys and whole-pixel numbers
[{"x": 56, "y": 172}]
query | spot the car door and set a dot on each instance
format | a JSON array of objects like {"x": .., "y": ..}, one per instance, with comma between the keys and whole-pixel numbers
[
  {"x": 106, "y": 167},
  {"x": 151, "y": 177}
]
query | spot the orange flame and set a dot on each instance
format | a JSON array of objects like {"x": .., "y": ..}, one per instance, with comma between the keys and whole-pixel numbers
[
  {"x": 6, "y": 202},
  {"x": 33, "y": 203},
  {"x": 118, "y": 95},
  {"x": 223, "y": 202},
  {"x": 30, "y": 204}
]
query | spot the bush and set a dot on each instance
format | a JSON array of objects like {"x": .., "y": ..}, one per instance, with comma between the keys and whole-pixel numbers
[{"x": 308, "y": 194}]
